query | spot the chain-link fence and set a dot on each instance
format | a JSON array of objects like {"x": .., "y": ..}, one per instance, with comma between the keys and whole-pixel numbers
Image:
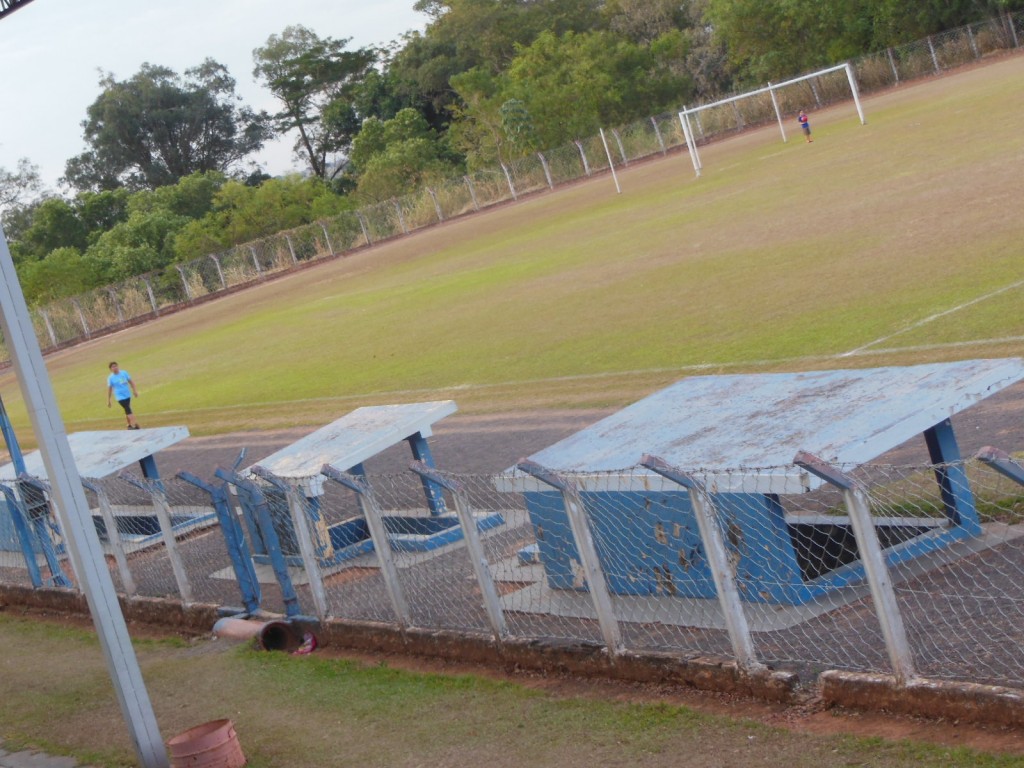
[
  {"x": 629, "y": 560},
  {"x": 67, "y": 321}
]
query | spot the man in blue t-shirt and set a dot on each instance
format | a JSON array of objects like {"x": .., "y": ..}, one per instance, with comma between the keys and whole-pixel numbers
[{"x": 121, "y": 387}]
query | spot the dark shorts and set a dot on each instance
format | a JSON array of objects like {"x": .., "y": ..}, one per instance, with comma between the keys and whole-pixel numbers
[
  {"x": 806, "y": 127},
  {"x": 126, "y": 404}
]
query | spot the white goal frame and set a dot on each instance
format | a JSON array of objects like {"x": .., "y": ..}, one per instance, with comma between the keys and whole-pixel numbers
[{"x": 684, "y": 115}]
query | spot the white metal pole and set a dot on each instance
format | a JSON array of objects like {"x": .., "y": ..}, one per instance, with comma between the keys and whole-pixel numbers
[
  {"x": 113, "y": 536},
  {"x": 297, "y": 506},
  {"x": 778, "y": 113},
  {"x": 691, "y": 145},
  {"x": 72, "y": 510},
  {"x": 856, "y": 93},
  {"x": 875, "y": 568},
  {"x": 611, "y": 163}
]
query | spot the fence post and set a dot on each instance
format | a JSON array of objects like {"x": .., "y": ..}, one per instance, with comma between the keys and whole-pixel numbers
[
  {"x": 378, "y": 534},
  {"x": 739, "y": 115},
  {"x": 935, "y": 58},
  {"x": 875, "y": 569},
  {"x": 297, "y": 508},
  {"x": 362, "y": 225},
  {"x": 472, "y": 193},
  {"x": 327, "y": 239},
  {"x": 583, "y": 156},
  {"x": 81, "y": 318},
  {"x": 547, "y": 170},
  {"x": 596, "y": 585},
  {"x": 291, "y": 248},
  {"x": 611, "y": 163},
  {"x": 117, "y": 305},
  {"x": 657, "y": 132},
  {"x": 622, "y": 149},
  {"x": 722, "y": 572},
  {"x": 489, "y": 592},
  {"x": 255, "y": 260},
  {"x": 49, "y": 327},
  {"x": 184, "y": 282},
  {"x": 1013, "y": 29},
  {"x": 220, "y": 272},
  {"x": 152, "y": 298},
  {"x": 401, "y": 218},
  {"x": 163, "y": 516},
  {"x": 113, "y": 535},
  {"x": 508, "y": 178},
  {"x": 892, "y": 63},
  {"x": 974, "y": 44}
]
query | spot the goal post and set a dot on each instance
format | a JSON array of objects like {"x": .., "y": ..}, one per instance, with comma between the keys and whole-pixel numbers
[{"x": 690, "y": 117}]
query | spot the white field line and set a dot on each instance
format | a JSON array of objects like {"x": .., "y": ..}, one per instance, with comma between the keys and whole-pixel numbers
[{"x": 934, "y": 317}]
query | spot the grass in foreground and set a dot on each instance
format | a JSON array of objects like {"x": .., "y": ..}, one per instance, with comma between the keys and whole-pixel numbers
[{"x": 316, "y": 711}]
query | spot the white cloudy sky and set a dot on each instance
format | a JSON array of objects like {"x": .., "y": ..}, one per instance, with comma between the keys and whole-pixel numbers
[{"x": 52, "y": 50}]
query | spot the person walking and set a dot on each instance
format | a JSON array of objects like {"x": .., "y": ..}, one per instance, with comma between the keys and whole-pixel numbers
[
  {"x": 121, "y": 386},
  {"x": 805, "y": 126}
]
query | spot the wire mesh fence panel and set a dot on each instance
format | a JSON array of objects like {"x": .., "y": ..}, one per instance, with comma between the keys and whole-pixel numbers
[
  {"x": 382, "y": 221},
  {"x": 671, "y": 130},
  {"x": 135, "y": 298},
  {"x": 418, "y": 210},
  {"x": 915, "y": 60},
  {"x": 565, "y": 164},
  {"x": 64, "y": 320},
  {"x": 200, "y": 277},
  {"x": 168, "y": 288},
  {"x": 490, "y": 187},
  {"x": 528, "y": 175},
  {"x": 344, "y": 232},
  {"x": 963, "y": 605},
  {"x": 993, "y": 36},
  {"x": 98, "y": 309},
  {"x": 955, "y": 48},
  {"x": 597, "y": 158},
  {"x": 876, "y": 71},
  {"x": 455, "y": 198},
  {"x": 238, "y": 266},
  {"x": 639, "y": 140},
  {"x": 307, "y": 243}
]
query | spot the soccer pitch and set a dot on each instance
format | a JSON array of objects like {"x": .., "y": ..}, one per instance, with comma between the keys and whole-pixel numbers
[{"x": 896, "y": 242}]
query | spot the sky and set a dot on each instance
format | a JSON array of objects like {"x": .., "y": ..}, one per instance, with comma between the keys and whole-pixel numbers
[{"x": 51, "y": 53}]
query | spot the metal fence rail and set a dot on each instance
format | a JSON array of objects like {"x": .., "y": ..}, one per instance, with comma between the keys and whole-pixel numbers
[
  {"x": 945, "y": 601},
  {"x": 68, "y": 321}
]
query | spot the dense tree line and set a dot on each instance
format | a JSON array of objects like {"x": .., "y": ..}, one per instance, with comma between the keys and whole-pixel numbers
[{"x": 167, "y": 173}]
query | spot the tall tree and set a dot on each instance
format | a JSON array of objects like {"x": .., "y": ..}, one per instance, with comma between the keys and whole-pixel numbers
[
  {"x": 317, "y": 82},
  {"x": 16, "y": 187},
  {"x": 157, "y": 127}
]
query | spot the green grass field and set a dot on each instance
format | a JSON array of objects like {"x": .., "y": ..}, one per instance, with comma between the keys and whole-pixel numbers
[{"x": 890, "y": 243}]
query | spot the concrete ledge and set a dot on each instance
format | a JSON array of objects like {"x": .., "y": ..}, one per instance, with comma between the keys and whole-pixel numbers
[
  {"x": 967, "y": 702},
  {"x": 551, "y": 655}
]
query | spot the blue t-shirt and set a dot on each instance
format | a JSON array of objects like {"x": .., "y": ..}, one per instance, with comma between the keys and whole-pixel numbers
[{"x": 119, "y": 381}]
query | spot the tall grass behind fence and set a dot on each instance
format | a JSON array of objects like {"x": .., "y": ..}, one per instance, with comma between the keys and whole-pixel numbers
[
  {"x": 961, "y": 603},
  {"x": 67, "y": 321}
]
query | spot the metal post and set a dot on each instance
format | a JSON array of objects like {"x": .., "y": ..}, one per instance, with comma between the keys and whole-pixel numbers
[
  {"x": 547, "y": 170},
  {"x": 81, "y": 318},
  {"x": 378, "y": 534},
  {"x": 220, "y": 272},
  {"x": 113, "y": 535},
  {"x": 117, "y": 305},
  {"x": 437, "y": 205},
  {"x": 327, "y": 239},
  {"x": 875, "y": 568},
  {"x": 33, "y": 492},
  {"x": 184, "y": 282},
  {"x": 856, "y": 93},
  {"x": 492, "y": 602},
  {"x": 362, "y": 225},
  {"x": 291, "y": 249},
  {"x": 255, "y": 261},
  {"x": 401, "y": 218},
  {"x": 163, "y": 516},
  {"x": 152, "y": 298},
  {"x": 596, "y": 584},
  {"x": 583, "y": 156},
  {"x": 49, "y": 327},
  {"x": 75, "y": 519},
  {"x": 299, "y": 514},
  {"x": 778, "y": 113},
  {"x": 1002, "y": 462},
  {"x": 974, "y": 45},
  {"x": 472, "y": 193},
  {"x": 657, "y": 132},
  {"x": 691, "y": 144},
  {"x": 1013, "y": 29},
  {"x": 611, "y": 163},
  {"x": 622, "y": 149},
  {"x": 722, "y": 572},
  {"x": 935, "y": 58},
  {"x": 508, "y": 178},
  {"x": 421, "y": 452},
  {"x": 892, "y": 63}
]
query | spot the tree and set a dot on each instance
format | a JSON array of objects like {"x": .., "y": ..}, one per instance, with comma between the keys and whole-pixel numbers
[
  {"x": 158, "y": 127},
  {"x": 316, "y": 80},
  {"x": 17, "y": 186}
]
